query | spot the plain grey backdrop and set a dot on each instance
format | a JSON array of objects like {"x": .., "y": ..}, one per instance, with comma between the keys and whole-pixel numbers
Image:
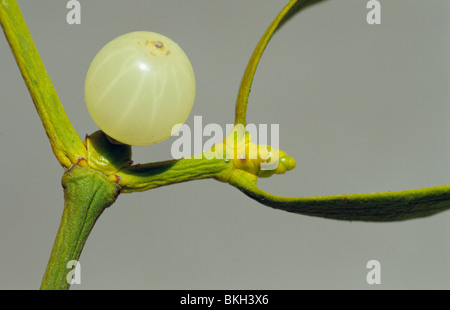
[{"x": 362, "y": 108}]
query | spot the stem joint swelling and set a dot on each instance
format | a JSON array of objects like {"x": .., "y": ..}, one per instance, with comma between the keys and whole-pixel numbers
[{"x": 87, "y": 193}]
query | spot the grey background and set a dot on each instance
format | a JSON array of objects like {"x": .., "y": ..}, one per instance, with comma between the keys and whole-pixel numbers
[{"x": 362, "y": 109}]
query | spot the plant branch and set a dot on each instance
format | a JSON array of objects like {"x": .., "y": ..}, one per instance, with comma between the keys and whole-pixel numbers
[
  {"x": 66, "y": 144},
  {"x": 374, "y": 207},
  {"x": 144, "y": 177},
  {"x": 87, "y": 193},
  {"x": 292, "y": 8}
]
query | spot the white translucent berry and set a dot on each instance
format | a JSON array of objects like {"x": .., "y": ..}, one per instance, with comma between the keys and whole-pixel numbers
[{"x": 139, "y": 86}]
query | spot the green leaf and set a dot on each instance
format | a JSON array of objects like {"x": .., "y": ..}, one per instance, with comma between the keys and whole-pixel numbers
[
  {"x": 374, "y": 207},
  {"x": 299, "y": 6},
  {"x": 292, "y": 8}
]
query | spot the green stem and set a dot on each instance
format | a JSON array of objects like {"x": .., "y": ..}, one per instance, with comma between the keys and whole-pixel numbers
[
  {"x": 87, "y": 193},
  {"x": 66, "y": 144},
  {"x": 247, "y": 80},
  {"x": 144, "y": 177},
  {"x": 372, "y": 207},
  {"x": 290, "y": 9}
]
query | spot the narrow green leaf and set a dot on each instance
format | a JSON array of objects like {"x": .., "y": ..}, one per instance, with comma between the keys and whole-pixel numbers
[
  {"x": 299, "y": 6},
  {"x": 285, "y": 14},
  {"x": 65, "y": 142},
  {"x": 375, "y": 207}
]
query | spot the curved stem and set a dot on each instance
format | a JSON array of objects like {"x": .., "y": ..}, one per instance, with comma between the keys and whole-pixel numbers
[
  {"x": 289, "y": 10},
  {"x": 247, "y": 80},
  {"x": 87, "y": 193}
]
